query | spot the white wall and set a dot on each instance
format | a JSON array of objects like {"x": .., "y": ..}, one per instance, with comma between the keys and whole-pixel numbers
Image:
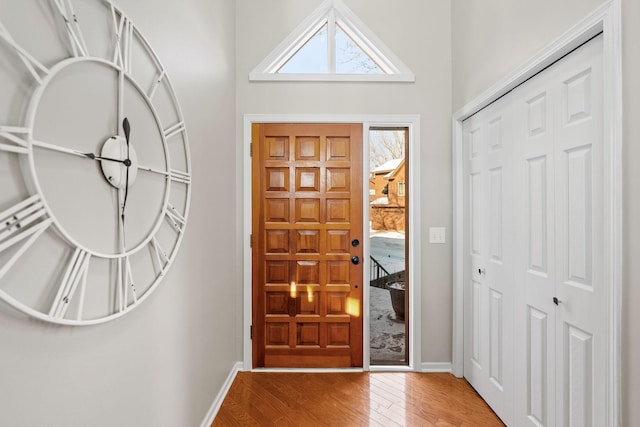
[
  {"x": 418, "y": 32},
  {"x": 631, "y": 213},
  {"x": 163, "y": 363},
  {"x": 492, "y": 38}
]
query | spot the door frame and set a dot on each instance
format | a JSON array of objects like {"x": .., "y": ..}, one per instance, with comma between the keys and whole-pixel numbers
[
  {"x": 607, "y": 20},
  {"x": 410, "y": 121}
]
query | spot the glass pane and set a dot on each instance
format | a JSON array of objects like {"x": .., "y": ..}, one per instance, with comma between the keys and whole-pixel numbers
[
  {"x": 350, "y": 58},
  {"x": 389, "y": 285},
  {"x": 312, "y": 56}
]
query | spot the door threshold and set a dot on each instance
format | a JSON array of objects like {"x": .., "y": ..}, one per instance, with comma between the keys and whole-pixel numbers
[
  {"x": 390, "y": 368},
  {"x": 308, "y": 370}
]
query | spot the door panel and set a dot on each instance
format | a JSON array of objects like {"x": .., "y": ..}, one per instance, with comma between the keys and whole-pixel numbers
[
  {"x": 535, "y": 335},
  {"x": 307, "y": 208},
  {"x": 565, "y": 181},
  {"x": 535, "y": 317},
  {"x": 488, "y": 348},
  {"x": 580, "y": 284}
]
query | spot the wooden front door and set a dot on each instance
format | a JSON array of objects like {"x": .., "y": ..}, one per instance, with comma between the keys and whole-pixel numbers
[{"x": 306, "y": 235}]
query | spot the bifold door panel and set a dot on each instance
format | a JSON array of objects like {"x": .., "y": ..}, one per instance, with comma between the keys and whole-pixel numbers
[{"x": 535, "y": 316}]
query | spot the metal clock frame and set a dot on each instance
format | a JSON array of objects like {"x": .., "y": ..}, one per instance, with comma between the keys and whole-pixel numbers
[{"x": 35, "y": 213}]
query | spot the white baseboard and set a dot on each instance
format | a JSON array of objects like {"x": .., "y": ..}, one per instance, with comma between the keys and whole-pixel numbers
[
  {"x": 217, "y": 402},
  {"x": 436, "y": 367}
]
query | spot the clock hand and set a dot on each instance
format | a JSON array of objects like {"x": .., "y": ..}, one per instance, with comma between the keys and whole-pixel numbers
[
  {"x": 127, "y": 131},
  {"x": 126, "y": 162},
  {"x": 53, "y": 147}
]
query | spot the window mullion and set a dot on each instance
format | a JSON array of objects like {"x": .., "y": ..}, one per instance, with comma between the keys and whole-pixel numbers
[{"x": 331, "y": 42}]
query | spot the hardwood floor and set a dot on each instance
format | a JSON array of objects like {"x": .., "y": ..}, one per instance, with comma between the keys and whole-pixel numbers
[{"x": 353, "y": 399}]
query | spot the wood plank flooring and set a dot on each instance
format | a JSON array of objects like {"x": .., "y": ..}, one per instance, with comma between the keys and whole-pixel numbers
[{"x": 353, "y": 399}]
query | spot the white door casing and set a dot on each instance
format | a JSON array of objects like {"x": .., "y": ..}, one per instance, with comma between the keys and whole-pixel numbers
[{"x": 410, "y": 121}]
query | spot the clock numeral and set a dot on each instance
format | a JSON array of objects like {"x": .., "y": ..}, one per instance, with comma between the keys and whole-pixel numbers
[
  {"x": 160, "y": 255},
  {"x": 17, "y": 219},
  {"x": 179, "y": 176},
  {"x": 78, "y": 45},
  {"x": 154, "y": 170},
  {"x": 19, "y": 223},
  {"x": 124, "y": 36},
  {"x": 76, "y": 274},
  {"x": 37, "y": 70},
  {"x": 124, "y": 283},
  {"x": 177, "y": 216},
  {"x": 10, "y": 133},
  {"x": 156, "y": 83},
  {"x": 176, "y": 219},
  {"x": 174, "y": 130}
]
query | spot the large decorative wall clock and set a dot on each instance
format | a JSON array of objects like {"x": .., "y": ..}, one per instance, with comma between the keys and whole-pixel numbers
[{"x": 95, "y": 173}]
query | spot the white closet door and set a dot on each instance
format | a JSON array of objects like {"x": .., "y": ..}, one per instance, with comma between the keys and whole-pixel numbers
[
  {"x": 581, "y": 311},
  {"x": 534, "y": 243},
  {"x": 560, "y": 348},
  {"x": 488, "y": 346},
  {"x": 535, "y": 314}
]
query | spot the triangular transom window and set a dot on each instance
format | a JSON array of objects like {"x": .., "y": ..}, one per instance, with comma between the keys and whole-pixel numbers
[{"x": 332, "y": 44}]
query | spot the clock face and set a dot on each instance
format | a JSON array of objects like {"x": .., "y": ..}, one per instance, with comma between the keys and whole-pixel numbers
[{"x": 95, "y": 172}]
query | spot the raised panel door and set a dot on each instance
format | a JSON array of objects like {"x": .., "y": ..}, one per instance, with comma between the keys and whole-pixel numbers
[
  {"x": 489, "y": 269},
  {"x": 561, "y": 353},
  {"x": 535, "y": 290},
  {"x": 535, "y": 314},
  {"x": 580, "y": 281},
  {"x": 307, "y": 208}
]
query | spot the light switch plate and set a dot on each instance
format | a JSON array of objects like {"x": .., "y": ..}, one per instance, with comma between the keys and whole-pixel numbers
[{"x": 437, "y": 235}]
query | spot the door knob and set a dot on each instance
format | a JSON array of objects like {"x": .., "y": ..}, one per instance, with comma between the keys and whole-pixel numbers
[{"x": 355, "y": 260}]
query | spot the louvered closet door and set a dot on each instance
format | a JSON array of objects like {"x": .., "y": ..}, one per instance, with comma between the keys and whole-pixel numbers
[
  {"x": 535, "y": 306},
  {"x": 488, "y": 343}
]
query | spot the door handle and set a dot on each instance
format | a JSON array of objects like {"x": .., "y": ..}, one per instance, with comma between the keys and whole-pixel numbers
[{"x": 355, "y": 260}]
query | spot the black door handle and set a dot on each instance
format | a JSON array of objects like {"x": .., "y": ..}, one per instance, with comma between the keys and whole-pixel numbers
[{"x": 355, "y": 260}]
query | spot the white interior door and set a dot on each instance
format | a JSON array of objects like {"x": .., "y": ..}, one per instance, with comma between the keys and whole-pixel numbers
[
  {"x": 534, "y": 286},
  {"x": 534, "y": 104},
  {"x": 582, "y": 312},
  {"x": 561, "y": 312},
  {"x": 488, "y": 348}
]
